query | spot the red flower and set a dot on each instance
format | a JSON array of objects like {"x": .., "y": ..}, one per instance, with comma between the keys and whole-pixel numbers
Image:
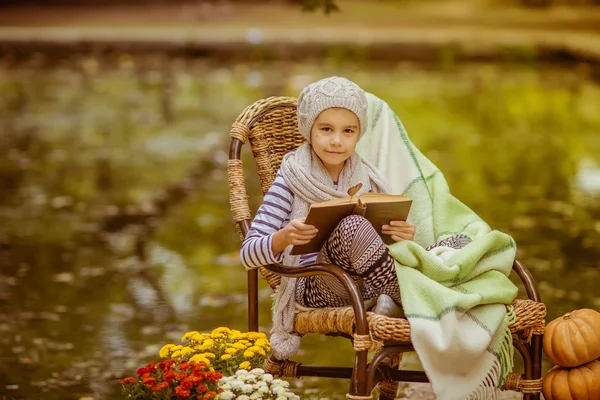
[
  {"x": 127, "y": 381},
  {"x": 195, "y": 380},
  {"x": 199, "y": 373},
  {"x": 159, "y": 386},
  {"x": 142, "y": 371},
  {"x": 202, "y": 388},
  {"x": 186, "y": 384},
  {"x": 149, "y": 381},
  {"x": 181, "y": 392},
  {"x": 180, "y": 376},
  {"x": 151, "y": 366},
  {"x": 184, "y": 365},
  {"x": 198, "y": 365},
  {"x": 166, "y": 364},
  {"x": 214, "y": 376},
  {"x": 209, "y": 395},
  {"x": 169, "y": 376}
]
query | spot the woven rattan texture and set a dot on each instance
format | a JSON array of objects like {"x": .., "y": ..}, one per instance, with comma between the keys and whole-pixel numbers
[
  {"x": 271, "y": 127},
  {"x": 516, "y": 383},
  {"x": 529, "y": 315},
  {"x": 388, "y": 389},
  {"x": 285, "y": 368}
]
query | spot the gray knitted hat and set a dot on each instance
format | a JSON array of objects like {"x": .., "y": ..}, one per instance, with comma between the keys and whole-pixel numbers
[{"x": 327, "y": 93}]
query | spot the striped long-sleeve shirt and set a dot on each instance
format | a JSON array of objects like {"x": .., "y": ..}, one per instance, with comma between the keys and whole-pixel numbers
[{"x": 272, "y": 215}]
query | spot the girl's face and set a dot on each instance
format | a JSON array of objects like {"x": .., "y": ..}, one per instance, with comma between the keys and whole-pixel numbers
[{"x": 334, "y": 136}]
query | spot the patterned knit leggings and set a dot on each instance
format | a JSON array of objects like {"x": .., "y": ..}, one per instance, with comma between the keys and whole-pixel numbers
[{"x": 356, "y": 247}]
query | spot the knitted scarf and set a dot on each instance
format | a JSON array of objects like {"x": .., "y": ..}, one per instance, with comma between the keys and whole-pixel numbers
[{"x": 307, "y": 177}]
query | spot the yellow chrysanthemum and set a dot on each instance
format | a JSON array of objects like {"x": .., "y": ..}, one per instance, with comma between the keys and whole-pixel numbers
[
  {"x": 258, "y": 350},
  {"x": 186, "y": 351},
  {"x": 245, "y": 365},
  {"x": 208, "y": 342},
  {"x": 197, "y": 338},
  {"x": 188, "y": 335},
  {"x": 235, "y": 332},
  {"x": 256, "y": 335},
  {"x": 199, "y": 358},
  {"x": 176, "y": 354},
  {"x": 216, "y": 335},
  {"x": 238, "y": 346},
  {"x": 165, "y": 350},
  {"x": 248, "y": 354},
  {"x": 239, "y": 336},
  {"x": 245, "y": 342},
  {"x": 177, "y": 347},
  {"x": 225, "y": 356},
  {"x": 208, "y": 355},
  {"x": 261, "y": 342},
  {"x": 221, "y": 329},
  {"x": 231, "y": 350}
]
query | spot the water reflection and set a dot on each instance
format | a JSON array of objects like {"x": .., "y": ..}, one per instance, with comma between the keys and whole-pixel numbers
[{"x": 116, "y": 235}]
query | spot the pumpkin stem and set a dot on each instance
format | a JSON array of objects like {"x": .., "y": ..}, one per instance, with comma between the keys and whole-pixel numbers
[{"x": 568, "y": 316}]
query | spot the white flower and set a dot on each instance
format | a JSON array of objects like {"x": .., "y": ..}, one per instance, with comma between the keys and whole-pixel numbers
[
  {"x": 241, "y": 372},
  {"x": 260, "y": 384},
  {"x": 247, "y": 388},
  {"x": 267, "y": 378},
  {"x": 277, "y": 381},
  {"x": 281, "y": 398},
  {"x": 226, "y": 395},
  {"x": 243, "y": 397},
  {"x": 250, "y": 378},
  {"x": 258, "y": 371},
  {"x": 278, "y": 390},
  {"x": 225, "y": 386},
  {"x": 237, "y": 385},
  {"x": 263, "y": 389},
  {"x": 255, "y": 396},
  {"x": 291, "y": 395}
]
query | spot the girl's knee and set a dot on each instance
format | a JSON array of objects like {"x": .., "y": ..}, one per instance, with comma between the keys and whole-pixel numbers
[
  {"x": 354, "y": 226},
  {"x": 353, "y": 222}
]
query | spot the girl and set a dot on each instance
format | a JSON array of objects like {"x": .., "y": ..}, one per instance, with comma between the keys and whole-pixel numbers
[{"x": 332, "y": 116}]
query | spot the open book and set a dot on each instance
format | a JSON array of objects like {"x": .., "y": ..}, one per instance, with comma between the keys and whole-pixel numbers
[{"x": 378, "y": 208}]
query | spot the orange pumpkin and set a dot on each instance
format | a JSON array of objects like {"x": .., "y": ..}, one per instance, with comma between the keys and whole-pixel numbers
[
  {"x": 573, "y": 339},
  {"x": 581, "y": 383}
]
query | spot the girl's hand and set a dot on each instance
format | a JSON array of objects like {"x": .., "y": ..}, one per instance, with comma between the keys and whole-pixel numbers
[
  {"x": 295, "y": 233},
  {"x": 399, "y": 230}
]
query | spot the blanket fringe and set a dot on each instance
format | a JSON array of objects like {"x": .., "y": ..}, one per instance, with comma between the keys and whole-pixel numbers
[{"x": 490, "y": 386}]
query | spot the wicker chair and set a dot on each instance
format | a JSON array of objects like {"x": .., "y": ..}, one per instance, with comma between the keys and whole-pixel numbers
[{"x": 271, "y": 126}]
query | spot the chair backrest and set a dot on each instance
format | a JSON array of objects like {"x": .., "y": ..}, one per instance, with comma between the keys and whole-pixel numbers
[{"x": 272, "y": 129}]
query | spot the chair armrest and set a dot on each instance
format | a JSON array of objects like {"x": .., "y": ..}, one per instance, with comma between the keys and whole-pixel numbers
[
  {"x": 528, "y": 281},
  {"x": 360, "y": 314}
]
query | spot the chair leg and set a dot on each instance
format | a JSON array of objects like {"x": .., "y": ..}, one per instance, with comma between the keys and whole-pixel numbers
[
  {"x": 533, "y": 364},
  {"x": 385, "y": 360},
  {"x": 359, "y": 387}
]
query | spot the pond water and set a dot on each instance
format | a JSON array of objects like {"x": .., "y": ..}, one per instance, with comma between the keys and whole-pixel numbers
[{"x": 115, "y": 232}]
